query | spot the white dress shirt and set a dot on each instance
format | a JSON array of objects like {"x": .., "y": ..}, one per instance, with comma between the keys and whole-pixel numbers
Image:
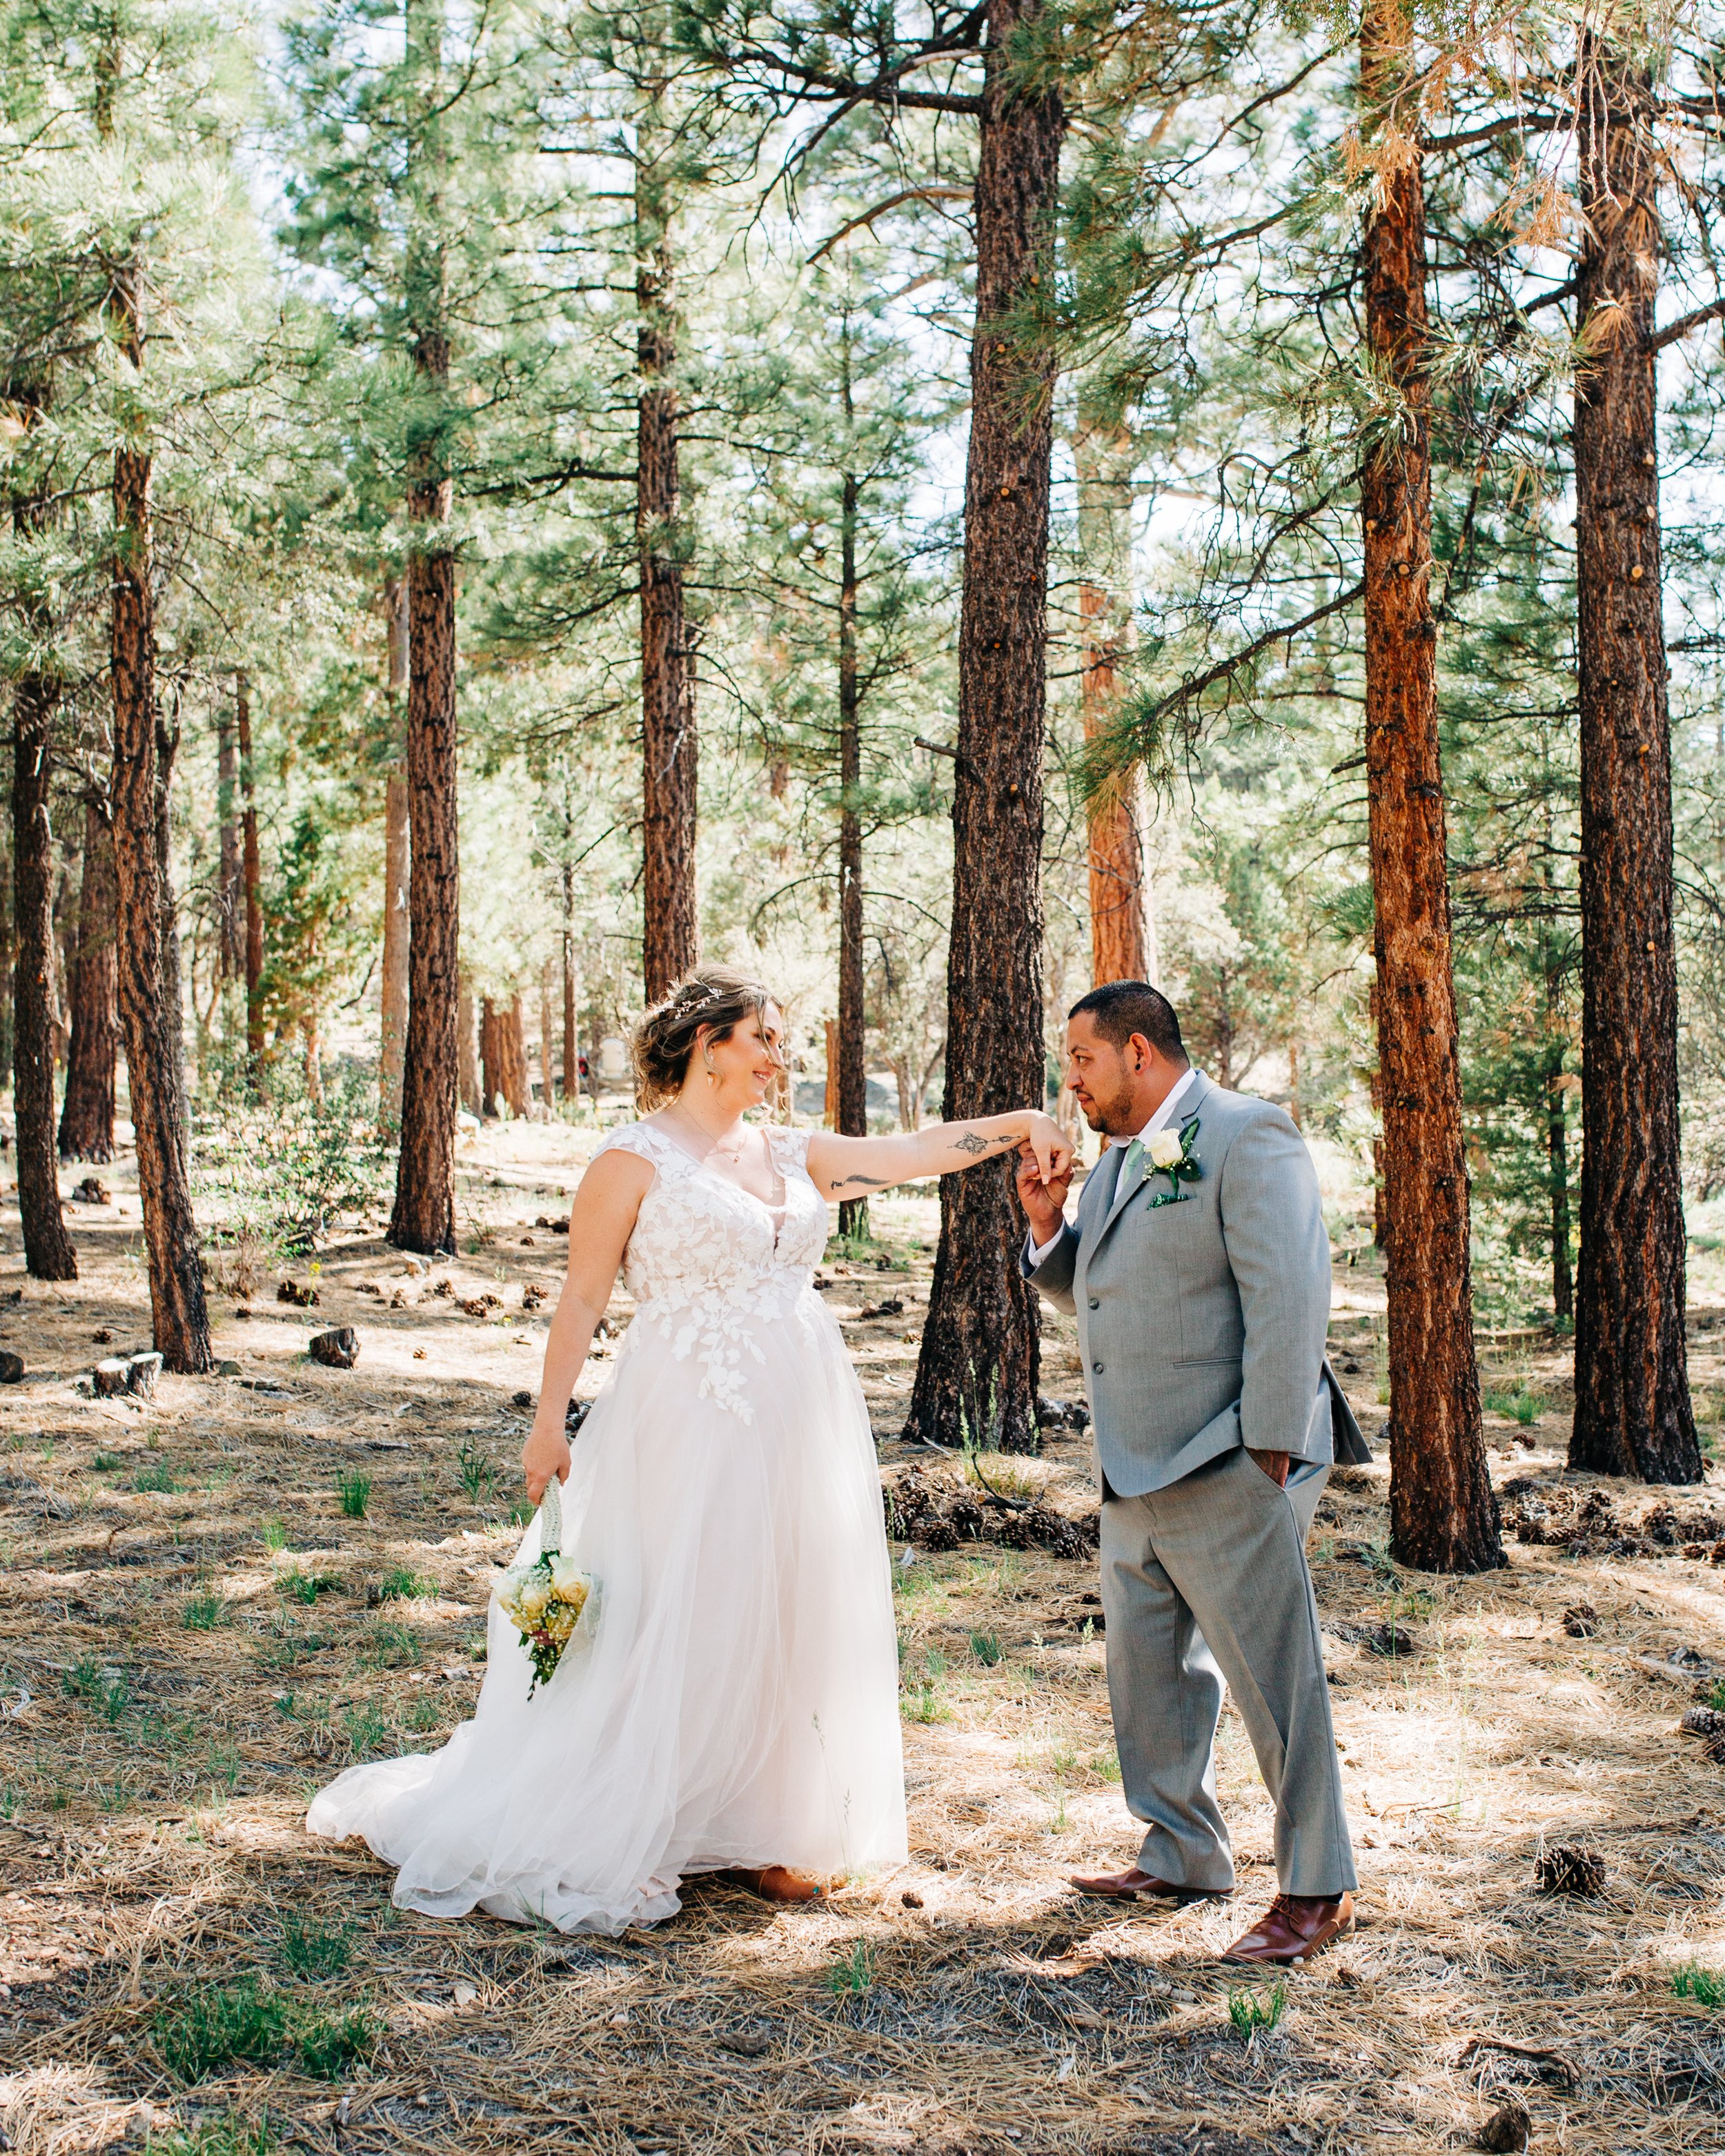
[{"x": 1161, "y": 1118}]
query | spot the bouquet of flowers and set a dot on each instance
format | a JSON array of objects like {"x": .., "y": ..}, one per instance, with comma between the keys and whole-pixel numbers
[{"x": 544, "y": 1600}]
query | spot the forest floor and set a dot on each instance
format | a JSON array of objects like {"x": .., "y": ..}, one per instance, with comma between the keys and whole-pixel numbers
[{"x": 194, "y": 1634}]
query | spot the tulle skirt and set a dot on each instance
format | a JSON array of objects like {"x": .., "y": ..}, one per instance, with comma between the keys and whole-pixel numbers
[{"x": 730, "y": 1698}]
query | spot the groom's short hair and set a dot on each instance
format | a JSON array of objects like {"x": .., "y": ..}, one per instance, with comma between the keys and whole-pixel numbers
[{"x": 1120, "y": 1008}]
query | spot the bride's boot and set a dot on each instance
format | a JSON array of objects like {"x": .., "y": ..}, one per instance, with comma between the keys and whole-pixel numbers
[{"x": 778, "y": 1883}]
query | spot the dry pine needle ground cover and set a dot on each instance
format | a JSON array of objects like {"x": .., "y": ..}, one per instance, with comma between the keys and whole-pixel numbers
[{"x": 214, "y": 1598}]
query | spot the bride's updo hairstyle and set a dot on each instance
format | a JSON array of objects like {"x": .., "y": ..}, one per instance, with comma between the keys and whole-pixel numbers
[{"x": 719, "y": 998}]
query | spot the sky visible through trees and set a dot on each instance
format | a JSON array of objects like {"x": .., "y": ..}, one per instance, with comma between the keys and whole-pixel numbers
[{"x": 853, "y": 495}]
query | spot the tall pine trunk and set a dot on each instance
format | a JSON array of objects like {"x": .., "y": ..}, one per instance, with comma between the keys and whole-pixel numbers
[
  {"x": 230, "y": 876},
  {"x": 1633, "y": 1414},
  {"x": 251, "y": 880},
  {"x": 670, "y": 922},
  {"x": 851, "y": 1107},
  {"x": 398, "y": 876},
  {"x": 977, "y": 1374},
  {"x": 503, "y": 1057},
  {"x": 87, "y": 1113},
  {"x": 1103, "y": 459},
  {"x": 424, "y": 1215},
  {"x": 180, "y": 1321},
  {"x": 1442, "y": 1514},
  {"x": 572, "y": 1045},
  {"x": 47, "y": 1248},
  {"x": 173, "y": 996}
]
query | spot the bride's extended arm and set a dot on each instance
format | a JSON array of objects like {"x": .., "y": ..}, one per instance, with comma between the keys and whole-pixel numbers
[
  {"x": 601, "y": 1221},
  {"x": 851, "y": 1167}
]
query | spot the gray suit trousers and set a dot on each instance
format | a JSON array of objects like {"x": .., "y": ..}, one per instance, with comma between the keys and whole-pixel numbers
[{"x": 1203, "y": 1581}]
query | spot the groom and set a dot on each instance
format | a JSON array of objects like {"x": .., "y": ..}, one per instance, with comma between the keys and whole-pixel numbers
[{"x": 1198, "y": 1269}]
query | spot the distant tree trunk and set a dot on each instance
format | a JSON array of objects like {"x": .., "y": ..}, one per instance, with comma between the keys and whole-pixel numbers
[
  {"x": 1556, "y": 1142},
  {"x": 1443, "y": 1516},
  {"x": 87, "y": 1113},
  {"x": 230, "y": 876},
  {"x": 7, "y": 970},
  {"x": 252, "y": 874},
  {"x": 1633, "y": 1413},
  {"x": 851, "y": 1105},
  {"x": 976, "y": 1378},
  {"x": 503, "y": 1056},
  {"x": 173, "y": 998},
  {"x": 571, "y": 1044},
  {"x": 1103, "y": 455},
  {"x": 179, "y": 1317},
  {"x": 47, "y": 1248},
  {"x": 670, "y": 921},
  {"x": 398, "y": 858},
  {"x": 473, "y": 1098}
]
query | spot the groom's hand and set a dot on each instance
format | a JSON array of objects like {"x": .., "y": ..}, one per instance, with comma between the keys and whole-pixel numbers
[{"x": 1043, "y": 1203}]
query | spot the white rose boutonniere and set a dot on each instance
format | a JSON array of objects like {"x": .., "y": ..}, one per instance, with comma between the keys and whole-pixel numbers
[{"x": 1170, "y": 1152}]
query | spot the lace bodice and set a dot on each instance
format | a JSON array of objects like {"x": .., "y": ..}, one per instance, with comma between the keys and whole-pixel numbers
[{"x": 707, "y": 1259}]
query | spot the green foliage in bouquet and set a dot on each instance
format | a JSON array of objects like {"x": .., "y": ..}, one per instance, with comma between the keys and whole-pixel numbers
[{"x": 544, "y": 1599}]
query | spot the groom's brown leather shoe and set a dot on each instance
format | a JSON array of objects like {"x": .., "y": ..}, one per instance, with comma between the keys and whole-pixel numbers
[
  {"x": 1295, "y": 1927},
  {"x": 1127, "y": 1886}
]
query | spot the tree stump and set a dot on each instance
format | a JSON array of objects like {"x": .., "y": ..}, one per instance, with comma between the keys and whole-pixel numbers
[{"x": 337, "y": 1349}]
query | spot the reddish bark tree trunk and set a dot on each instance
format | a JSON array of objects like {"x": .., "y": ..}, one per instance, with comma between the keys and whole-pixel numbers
[
  {"x": 977, "y": 1375},
  {"x": 467, "y": 1069},
  {"x": 571, "y": 1044},
  {"x": 503, "y": 1056},
  {"x": 850, "y": 1105},
  {"x": 180, "y": 1321},
  {"x": 252, "y": 873},
  {"x": 670, "y": 921},
  {"x": 1633, "y": 1413},
  {"x": 87, "y": 1113},
  {"x": 1443, "y": 1516},
  {"x": 1103, "y": 457},
  {"x": 47, "y": 1248},
  {"x": 397, "y": 866}
]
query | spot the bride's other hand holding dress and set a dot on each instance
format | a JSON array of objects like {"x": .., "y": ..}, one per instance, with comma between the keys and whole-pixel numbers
[{"x": 731, "y": 1702}]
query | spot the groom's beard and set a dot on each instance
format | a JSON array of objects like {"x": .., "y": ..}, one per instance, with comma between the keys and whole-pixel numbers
[{"x": 1114, "y": 1118}]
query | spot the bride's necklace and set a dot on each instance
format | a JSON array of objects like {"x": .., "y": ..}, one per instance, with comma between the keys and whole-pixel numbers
[{"x": 712, "y": 1147}]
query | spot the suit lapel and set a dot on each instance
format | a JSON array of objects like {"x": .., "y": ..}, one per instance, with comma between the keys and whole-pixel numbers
[
  {"x": 1098, "y": 1197},
  {"x": 1122, "y": 1199}
]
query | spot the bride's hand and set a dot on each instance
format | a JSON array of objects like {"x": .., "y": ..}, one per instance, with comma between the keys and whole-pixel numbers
[
  {"x": 544, "y": 1454},
  {"x": 1048, "y": 1146}
]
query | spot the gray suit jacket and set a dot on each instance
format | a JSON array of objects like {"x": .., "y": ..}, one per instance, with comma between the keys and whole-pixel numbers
[{"x": 1202, "y": 1324}]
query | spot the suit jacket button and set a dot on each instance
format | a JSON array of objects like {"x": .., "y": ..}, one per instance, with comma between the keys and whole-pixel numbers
[
  {"x": 1096, "y": 1302},
  {"x": 1097, "y": 1367}
]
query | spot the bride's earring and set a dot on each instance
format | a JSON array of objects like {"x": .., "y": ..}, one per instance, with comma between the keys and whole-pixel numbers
[{"x": 713, "y": 1076}]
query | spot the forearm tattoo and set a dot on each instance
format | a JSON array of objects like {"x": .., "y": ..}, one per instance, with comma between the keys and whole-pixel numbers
[
  {"x": 868, "y": 1182},
  {"x": 975, "y": 1145}
]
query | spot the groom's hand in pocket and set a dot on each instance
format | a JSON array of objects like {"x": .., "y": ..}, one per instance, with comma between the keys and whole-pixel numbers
[{"x": 1044, "y": 1204}]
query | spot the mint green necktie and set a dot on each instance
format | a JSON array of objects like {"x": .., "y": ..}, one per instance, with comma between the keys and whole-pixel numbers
[{"x": 1131, "y": 1166}]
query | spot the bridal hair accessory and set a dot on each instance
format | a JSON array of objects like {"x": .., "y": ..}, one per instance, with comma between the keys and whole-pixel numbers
[{"x": 544, "y": 1600}]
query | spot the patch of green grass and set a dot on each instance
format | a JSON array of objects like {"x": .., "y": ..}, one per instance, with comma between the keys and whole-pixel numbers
[
  {"x": 230, "y": 2135},
  {"x": 206, "y": 2026},
  {"x": 1248, "y": 2011},
  {"x": 477, "y": 1474},
  {"x": 204, "y": 1611},
  {"x": 423, "y": 1714},
  {"x": 400, "y": 1585},
  {"x": 273, "y": 1535},
  {"x": 294, "y": 1585},
  {"x": 521, "y": 1510},
  {"x": 329, "y": 2044},
  {"x": 1106, "y": 1765},
  {"x": 1705, "y": 1986},
  {"x": 852, "y": 1973},
  {"x": 104, "y": 1686},
  {"x": 353, "y": 1491},
  {"x": 367, "y": 1731},
  {"x": 986, "y": 1648},
  {"x": 8, "y": 1801},
  {"x": 923, "y": 1703},
  {"x": 105, "y": 1463},
  {"x": 310, "y": 1949},
  {"x": 390, "y": 1647},
  {"x": 1520, "y": 1406},
  {"x": 158, "y": 1476}
]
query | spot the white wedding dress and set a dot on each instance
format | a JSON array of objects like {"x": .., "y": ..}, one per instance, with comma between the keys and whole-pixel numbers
[{"x": 735, "y": 1700}]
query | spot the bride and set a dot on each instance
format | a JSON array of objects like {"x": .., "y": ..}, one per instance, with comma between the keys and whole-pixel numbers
[{"x": 734, "y": 1704}]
